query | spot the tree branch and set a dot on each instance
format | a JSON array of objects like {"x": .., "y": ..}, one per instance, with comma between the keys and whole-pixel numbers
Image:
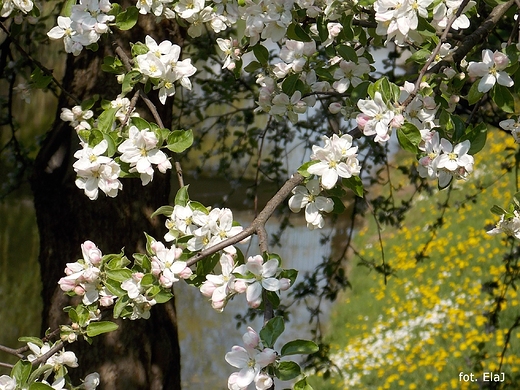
[{"x": 258, "y": 224}]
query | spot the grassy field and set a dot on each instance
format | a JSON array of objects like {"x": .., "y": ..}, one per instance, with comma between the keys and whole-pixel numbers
[{"x": 428, "y": 324}]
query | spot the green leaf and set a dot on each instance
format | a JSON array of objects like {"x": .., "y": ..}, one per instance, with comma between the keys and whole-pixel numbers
[
  {"x": 182, "y": 198},
  {"x": 112, "y": 65},
  {"x": 302, "y": 385},
  {"x": 127, "y": 19},
  {"x": 297, "y": 33},
  {"x": 287, "y": 370},
  {"x": 503, "y": 98},
  {"x": 130, "y": 79},
  {"x": 34, "y": 340},
  {"x": 409, "y": 137},
  {"x": 347, "y": 53},
  {"x": 97, "y": 328},
  {"x": 498, "y": 210},
  {"x": 252, "y": 66},
  {"x": 261, "y": 53},
  {"x": 355, "y": 184},
  {"x": 119, "y": 275},
  {"x": 474, "y": 95},
  {"x": 163, "y": 296},
  {"x": 360, "y": 91},
  {"x": 40, "y": 386},
  {"x": 299, "y": 347},
  {"x": 147, "y": 280},
  {"x": 163, "y": 210},
  {"x": 140, "y": 123},
  {"x": 21, "y": 371},
  {"x": 112, "y": 148},
  {"x": 271, "y": 331},
  {"x": 106, "y": 119},
  {"x": 339, "y": 207},
  {"x": 139, "y": 48},
  {"x": 477, "y": 136},
  {"x": 303, "y": 169},
  {"x": 420, "y": 56},
  {"x": 290, "y": 83},
  {"x": 39, "y": 79},
  {"x": 180, "y": 140},
  {"x": 39, "y": 372},
  {"x": 115, "y": 288},
  {"x": 120, "y": 305}
]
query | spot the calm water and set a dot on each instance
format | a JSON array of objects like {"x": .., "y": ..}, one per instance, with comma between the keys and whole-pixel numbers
[{"x": 206, "y": 335}]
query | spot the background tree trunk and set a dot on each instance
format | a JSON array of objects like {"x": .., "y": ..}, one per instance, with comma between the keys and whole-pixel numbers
[{"x": 142, "y": 354}]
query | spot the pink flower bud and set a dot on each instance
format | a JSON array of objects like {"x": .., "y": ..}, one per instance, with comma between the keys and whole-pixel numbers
[
  {"x": 240, "y": 286},
  {"x": 79, "y": 290},
  {"x": 334, "y": 108},
  {"x": 362, "y": 120},
  {"x": 185, "y": 273},
  {"x": 284, "y": 284},
  {"x": 207, "y": 288},
  {"x": 250, "y": 338}
]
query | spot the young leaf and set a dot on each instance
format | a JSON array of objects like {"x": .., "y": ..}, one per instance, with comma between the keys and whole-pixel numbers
[
  {"x": 180, "y": 140},
  {"x": 409, "y": 137},
  {"x": 163, "y": 210},
  {"x": 271, "y": 331},
  {"x": 21, "y": 371},
  {"x": 287, "y": 370},
  {"x": 355, "y": 184},
  {"x": 97, "y": 328},
  {"x": 127, "y": 19},
  {"x": 302, "y": 385},
  {"x": 303, "y": 169},
  {"x": 261, "y": 53},
  {"x": 182, "y": 198},
  {"x": 106, "y": 119},
  {"x": 296, "y": 347}
]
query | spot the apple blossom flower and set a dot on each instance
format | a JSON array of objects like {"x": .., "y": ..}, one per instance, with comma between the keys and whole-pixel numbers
[
  {"x": 336, "y": 159},
  {"x": 220, "y": 288},
  {"x": 140, "y": 151},
  {"x": 510, "y": 225},
  {"x": 375, "y": 118},
  {"x": 308, "y": 196},
  {"x": 512, "y": 125},
  {"x": 6, "y": 382},
  {"x": 96, "y": 171},
  {"x": 250, "y": 359},
  {"x": 140, "y": 303},
  {"x": 166, "y": 266},
  {"x": 257, "y": 276},
  {"x": 491, "y": 69},
  {"x": 350, "y": 73},
  {"x": 91, "y": 381}
]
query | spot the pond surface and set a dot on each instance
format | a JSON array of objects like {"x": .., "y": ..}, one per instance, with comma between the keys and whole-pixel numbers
[{"x": 205, "y": 334}]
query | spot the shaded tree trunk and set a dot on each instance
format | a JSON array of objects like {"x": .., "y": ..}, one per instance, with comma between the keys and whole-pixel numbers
[{"x": 142, "y": 354}]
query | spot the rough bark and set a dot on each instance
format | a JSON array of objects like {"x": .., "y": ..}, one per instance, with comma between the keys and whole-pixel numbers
[{"x": 142, "y": 354}]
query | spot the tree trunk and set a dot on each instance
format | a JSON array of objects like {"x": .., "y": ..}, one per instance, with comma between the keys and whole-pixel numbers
[{"x": 142, "y": 354}]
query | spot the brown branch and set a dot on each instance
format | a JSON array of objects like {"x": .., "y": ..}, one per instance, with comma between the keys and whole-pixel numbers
[
  {"x": 434, "y": 54},
  {"x": 12, "y": 351},
  {"x": 476, "y": 37},
  {"x": 258, "y": 224},
  {"x": 43, "y": 358}
]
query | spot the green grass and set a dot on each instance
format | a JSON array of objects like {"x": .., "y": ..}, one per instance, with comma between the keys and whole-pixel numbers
[{"x": 427, "y": 324}]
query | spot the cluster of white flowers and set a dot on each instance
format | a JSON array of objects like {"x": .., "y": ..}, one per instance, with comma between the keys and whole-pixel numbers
[
  {"x": 250, "y": 278},
  {"x": 399, "y": 19},
  {"x": 140, "y": 151},
  {"x": 79, "y": 119},
  {"x": 165, "y": 265},
  {"x": 308, "y": 196},
  {"x": 337, "y": 158},
  {"x": 491, "y": 69},
  {"x": 217, "y": 15},
  {"x": 9, "y": 6},
  {"x": 251, "y": 359},
  {"x": 161, "y": 63},
  {"x": 421, "y": 111},
  {"x": 231, "y": 51},
  {"x": 445, "y": 161},
  {"x": 83, "y": 277},
  {"x": 445, "y": 10},
  {"x": 140, "y": 301},
  {"x": 207, "y": 229},
  {"x": 377, "y": 118},
  {"x": 96, "y": 172},
  {"x": 88, "y": 20}
]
